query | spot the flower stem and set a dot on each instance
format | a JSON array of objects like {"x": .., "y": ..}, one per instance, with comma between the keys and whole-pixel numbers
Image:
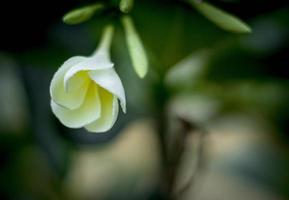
[{"x": 105, "y": 41}]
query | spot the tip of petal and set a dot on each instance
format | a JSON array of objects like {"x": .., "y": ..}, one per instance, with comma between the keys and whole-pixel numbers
[{"x": 123, "y": 107}]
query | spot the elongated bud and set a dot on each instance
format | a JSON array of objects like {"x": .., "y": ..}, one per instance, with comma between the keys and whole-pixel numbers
[
  {"x": 221, "y": 18},
  {"x": 82, "y": 14},
  {"x": 136, "y": 49},
  {"x": 125, "y": 6}
]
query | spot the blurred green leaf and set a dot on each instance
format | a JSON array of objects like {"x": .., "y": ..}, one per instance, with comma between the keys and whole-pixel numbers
[
  {"x": 188, "y": 72},
  {"x": 221, "y": 18},
  {"x": 135, "y": 47},
  {"x": 83, "y": 14}
]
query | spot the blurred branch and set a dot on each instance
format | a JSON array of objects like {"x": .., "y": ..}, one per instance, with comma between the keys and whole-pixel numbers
[
  {"x": 176, "y": 157},
  {"x": 199, "y": 160}
]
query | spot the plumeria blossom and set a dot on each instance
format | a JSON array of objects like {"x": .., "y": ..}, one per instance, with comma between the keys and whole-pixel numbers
[{"x": 85, "y": 90}]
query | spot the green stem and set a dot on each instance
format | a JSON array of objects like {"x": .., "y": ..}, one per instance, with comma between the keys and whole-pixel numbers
[
  {"x": 105, "y": 41},
  {"x": 161, "y": 97}
]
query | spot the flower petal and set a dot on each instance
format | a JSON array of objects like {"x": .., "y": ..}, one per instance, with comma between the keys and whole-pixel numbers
[
  {"x": 97, "y": 62},
  {"x": 89, "y": 111},
  {"x": 77, "y": 82},
  {"x": 69, "y": 100},
  {"x": 109, "y": 112},
  {"x": 109, "y": 80}
]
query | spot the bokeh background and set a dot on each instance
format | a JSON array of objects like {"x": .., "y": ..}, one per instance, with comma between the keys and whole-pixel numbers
[{"x": 235, "y": 86}]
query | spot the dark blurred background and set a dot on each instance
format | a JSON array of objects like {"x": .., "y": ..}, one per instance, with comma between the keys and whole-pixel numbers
[{"x": 233, "y": 85}]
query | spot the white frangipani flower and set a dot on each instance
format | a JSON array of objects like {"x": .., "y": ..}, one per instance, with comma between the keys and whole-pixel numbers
[{"x": 84, "y": 90}]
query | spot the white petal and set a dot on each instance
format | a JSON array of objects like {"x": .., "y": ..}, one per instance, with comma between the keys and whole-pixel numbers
[
  {"x": 70, "y": 100},
  {"x": 96, "y": 62},
  {"x": 109, "y": 80},
  {"x": 109, "y": 112},
  {"x": 77, "y": 82},
  {"x": 89, "y": 111}
]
